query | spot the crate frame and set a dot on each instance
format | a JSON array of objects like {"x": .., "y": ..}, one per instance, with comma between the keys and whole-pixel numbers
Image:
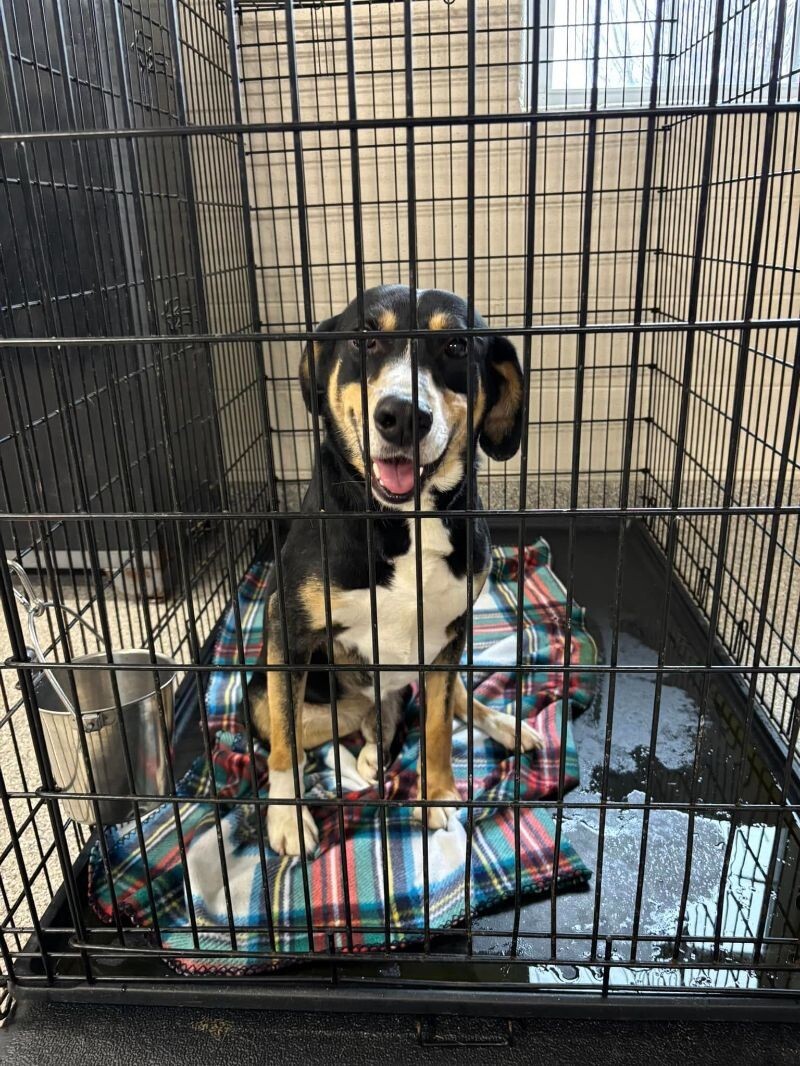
[{"x": 213, "y": 527}]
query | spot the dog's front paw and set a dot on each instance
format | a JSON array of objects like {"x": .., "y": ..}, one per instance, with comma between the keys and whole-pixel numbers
[
  {"x": 447, "y": 801},
  {"x": 367, "y": 764},
  {"x": 529, "y": 739},
  {"x": 284, "y": 836},
  {"x": 502, "y": 729}
]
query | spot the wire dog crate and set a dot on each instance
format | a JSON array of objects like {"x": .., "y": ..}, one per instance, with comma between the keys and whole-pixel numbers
[{"x": 189, "y": 189}]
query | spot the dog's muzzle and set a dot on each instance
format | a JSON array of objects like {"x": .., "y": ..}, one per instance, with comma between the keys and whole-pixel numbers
[{"x": 394, "y": 421}]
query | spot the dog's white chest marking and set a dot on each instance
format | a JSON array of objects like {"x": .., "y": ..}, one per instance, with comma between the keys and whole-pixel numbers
[{"x": 444, "y": 598}]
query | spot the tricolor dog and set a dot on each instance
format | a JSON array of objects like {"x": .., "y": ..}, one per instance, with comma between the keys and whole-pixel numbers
[{"x": 442, "y": 472}]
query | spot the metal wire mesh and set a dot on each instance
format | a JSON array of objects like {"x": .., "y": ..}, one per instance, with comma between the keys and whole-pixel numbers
[{"x": 190, "y": 188}]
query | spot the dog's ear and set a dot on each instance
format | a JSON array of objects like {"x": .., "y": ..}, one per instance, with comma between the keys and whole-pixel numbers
[
  {"x": 501, "y": 429},
  {"x": 323, "y": 349}
]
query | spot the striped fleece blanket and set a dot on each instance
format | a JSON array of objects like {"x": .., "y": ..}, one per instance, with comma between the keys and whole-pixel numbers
[{"x": 341, "y": 902}]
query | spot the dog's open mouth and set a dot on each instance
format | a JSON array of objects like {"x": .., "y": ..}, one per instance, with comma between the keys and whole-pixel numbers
[{"x": 394, "y": 478}]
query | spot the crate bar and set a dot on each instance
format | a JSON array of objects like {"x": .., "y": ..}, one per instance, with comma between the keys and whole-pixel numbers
[
  {"x": 129, "y": 496},
  {"x": 521, "y": 527},
  {"x": 247, "y": 235},
  {"x": 414, "y": 121},
  {"x": 126, "y": 99},
  {"x": 256, "y": 212},
  {"x": 672, "y": 805},
  {"x": 411, "y": 188},
  {"x": 126, "y": 482},
  {"x": 180, "y": 88},
  {"x": 600, "y": 515},
  {"x": 542, "y": 330},
  {"x": 472, "y": 20},
  {"x": 633, "y": 387},
  {"x": 677, "y": 477},
  {"x": 308, "y": 300},
  {"x": 40, "y": 250},
  {"x": 577, "y": 426},
  {"x": 375, "y": 927},
  {"x": 720, "y": 668},
  {"x": 733, "y": 451},
  {"x": 530, "y": 245},
  {"x": 355, "y": 168},
  {"x": 358, "y": 242},
  {"x": 344, "y": 960},
  {"x": 27, "y": 462},
  {"x": 299, "y": 175},
  {"x": 416, "y": 997}
]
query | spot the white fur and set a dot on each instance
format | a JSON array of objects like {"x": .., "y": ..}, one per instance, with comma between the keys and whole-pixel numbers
[
  {"x": 444, "y": 598},
  {"x": 284, "y": 836},
  {"x": 367, "y": 764},
  {"x": 396, "y": 380}
]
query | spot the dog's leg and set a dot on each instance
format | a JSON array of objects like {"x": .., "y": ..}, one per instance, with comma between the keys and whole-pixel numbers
[
  {"x": 318, "y": 719},
  {"x": 439, "y": 706},
  {"x": 285, "y": 692},
  {"x": 500, "y": 727},
  {"x": 391, "y": 711},
  {"x": 259, "y": 694}
]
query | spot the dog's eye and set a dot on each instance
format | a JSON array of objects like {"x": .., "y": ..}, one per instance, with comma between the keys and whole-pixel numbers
[
  {"x": 457, "y": 347},
  {"x": 370, "y": 343}
]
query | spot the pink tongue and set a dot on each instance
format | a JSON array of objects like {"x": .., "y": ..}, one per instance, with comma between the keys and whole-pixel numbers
[{"x": 396, "y": 477}]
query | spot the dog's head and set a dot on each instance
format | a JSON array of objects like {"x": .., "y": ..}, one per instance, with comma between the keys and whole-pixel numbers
[{"x": 442, "y": 417}]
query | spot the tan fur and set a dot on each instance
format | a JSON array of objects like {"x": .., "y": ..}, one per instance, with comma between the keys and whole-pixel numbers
[
  {"x": 502, "y": 728},
  {"x": 285, "y": 694},
  {"x": 312, "y": 597},
  {"x": 481, "y": 714},
  {"x": 259, "y": 713},
  {"x": 439, "y": 691},
  {"x": 318, "y": 719},
  {"x": 455, "y": 403},
  {"x": 479, "y": 399},
  {"x": 440, "y": 320},
  {"x": 344, "y": 403},
  {"x": 500, "y": 418},
  {"x": 305, "y": 367},
  {"x": 387, "y": 320},
  {"x": 316, "y": 724},
  {"x": 355, "y": 712}
]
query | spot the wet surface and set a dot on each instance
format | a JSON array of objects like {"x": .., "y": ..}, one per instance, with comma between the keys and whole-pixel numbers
[{"x": 659, "y": 872}]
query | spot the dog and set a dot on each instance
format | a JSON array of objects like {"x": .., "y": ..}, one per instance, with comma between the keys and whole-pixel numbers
[{"x": 293, "y": 706}]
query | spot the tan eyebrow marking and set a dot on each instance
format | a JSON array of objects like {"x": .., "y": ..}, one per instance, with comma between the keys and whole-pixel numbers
[
  {"x": 387, "y": 320},
  {"x": 440, "y": 320}
]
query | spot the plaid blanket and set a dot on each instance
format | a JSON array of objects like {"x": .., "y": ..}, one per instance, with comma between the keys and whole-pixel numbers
[{"x": 222, "y": 883}]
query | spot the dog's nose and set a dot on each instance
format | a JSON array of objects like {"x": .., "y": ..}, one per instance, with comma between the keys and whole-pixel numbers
[{"x": 394, "y": 417}]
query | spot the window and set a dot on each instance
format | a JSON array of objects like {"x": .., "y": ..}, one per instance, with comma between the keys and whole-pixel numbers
[
  {"x": 627, "y": 34},
  {"x": 567, "y": 29}
]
